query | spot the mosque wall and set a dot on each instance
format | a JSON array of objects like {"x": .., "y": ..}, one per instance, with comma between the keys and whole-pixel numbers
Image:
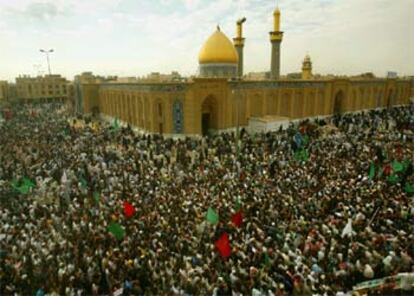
[
  {"x": 181, "y": 108},
  {"x": 146, "y": 106},
  {"x": 90, "y": 97}
]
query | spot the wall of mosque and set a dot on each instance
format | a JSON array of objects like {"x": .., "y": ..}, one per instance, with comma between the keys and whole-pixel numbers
[
  {"x": 149, "y": 107},
  {"x": 185, "y": 108}
]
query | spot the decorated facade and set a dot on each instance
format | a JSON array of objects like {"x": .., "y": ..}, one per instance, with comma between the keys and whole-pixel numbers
[{"x": 219, "y": 98}]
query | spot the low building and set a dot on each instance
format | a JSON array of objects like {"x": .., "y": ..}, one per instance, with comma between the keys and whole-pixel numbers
[
  {"x": 89, "y": 77},
  {"x": 42, "y": 88},
  {"x": 257, "y": 76},
  {"x": 4, "y": 90},
  {"x": 160, "y": 77}
]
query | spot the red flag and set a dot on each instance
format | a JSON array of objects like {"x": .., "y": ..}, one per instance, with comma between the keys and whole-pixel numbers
[
  {"x": 223, "y": 245},
  {"x": 387, "y": 170},
  {"x": 237, "y": 219},
  {"x": 129, "y": 209}
]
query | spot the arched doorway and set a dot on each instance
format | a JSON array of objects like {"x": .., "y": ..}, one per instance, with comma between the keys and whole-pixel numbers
[
  {"x": 339, "y": 102},
  {"x": 209, "y": 115}
]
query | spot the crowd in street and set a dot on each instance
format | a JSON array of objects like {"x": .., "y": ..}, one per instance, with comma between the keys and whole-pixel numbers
[{"x": 96, "y": 209}]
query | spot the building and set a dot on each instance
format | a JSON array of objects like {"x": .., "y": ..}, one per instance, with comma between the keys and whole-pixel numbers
[
  {"x": 4, "y": 90},
  {"x": 295, "y": 76},
  {"x": 89, "y": 77},
  {"x": 174, "y": 76},
  {"x": 42, "y": 88},
  {"x": 257, "y": 76},
  {"x": 219, "y": 100}
]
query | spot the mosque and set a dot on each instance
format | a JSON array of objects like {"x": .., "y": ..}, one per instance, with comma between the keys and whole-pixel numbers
[{"x": 219, "y": 99}]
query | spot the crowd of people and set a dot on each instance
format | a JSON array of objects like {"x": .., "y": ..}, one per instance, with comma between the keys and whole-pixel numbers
[{"x": 318, "y": 224}]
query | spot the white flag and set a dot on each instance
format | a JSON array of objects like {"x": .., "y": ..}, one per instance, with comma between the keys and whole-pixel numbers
[
  {"x": 347, "y": 229},
  {"x": 64, "y": 178}
]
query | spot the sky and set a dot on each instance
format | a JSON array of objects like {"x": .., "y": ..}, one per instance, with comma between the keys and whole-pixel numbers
[{"x": 136, "y": 37}]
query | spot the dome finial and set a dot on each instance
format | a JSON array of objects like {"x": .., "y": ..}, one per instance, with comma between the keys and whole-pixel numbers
[{"x": 218, "y": 27}]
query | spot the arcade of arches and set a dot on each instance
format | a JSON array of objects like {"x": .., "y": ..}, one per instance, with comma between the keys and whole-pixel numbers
[{"x": 219, "y": 104}]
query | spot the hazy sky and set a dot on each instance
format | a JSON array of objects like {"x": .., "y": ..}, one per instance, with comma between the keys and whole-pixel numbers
[{"x": 135, "y": 37}]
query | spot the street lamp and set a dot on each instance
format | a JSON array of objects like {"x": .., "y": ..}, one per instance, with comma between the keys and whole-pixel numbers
[{"x": 47, "y": 57}]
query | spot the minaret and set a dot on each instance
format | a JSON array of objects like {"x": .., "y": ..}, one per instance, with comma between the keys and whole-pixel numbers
[
  {"x": 276, "y": 37},
  {"x": 307, "y": 68},
  {"x": 239, "y": 45}
]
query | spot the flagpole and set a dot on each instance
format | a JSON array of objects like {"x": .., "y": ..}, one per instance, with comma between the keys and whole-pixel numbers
[{"x": 373, "y": 217}]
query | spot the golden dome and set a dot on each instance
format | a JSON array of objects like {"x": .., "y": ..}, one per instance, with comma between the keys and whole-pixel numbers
[{"x": 218, "y": 49}]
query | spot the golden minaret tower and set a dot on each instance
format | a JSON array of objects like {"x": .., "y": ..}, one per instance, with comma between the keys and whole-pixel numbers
[{"x": 276, "y": 37}]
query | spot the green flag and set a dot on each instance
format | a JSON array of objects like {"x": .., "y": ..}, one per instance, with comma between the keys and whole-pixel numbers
[
  {"x": 116, "y": 230},
  {"x": 397, "y": 166},
  {"x": 28, "y": 182},
  {"x": 371, "y": 171},
  {"x": 96, "y": 197},
  {"x": 266, "y": 260},
  {"x": 301, "y": 155},
  {"x": 237, "y": 205},
  {"x": 23, "y": 186},
  {"x": 115, "y": 124},
  {"x": 24, "y": 189},
  {"x": 83, "y": 182},
  {"x": 408, "y": 188},
  {"x": 393, "y": 179},
  {"x": 212, "y": 216}
]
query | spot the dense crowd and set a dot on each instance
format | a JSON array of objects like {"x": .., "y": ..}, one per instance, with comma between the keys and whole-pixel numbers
[{"x": 54, "y": 236}]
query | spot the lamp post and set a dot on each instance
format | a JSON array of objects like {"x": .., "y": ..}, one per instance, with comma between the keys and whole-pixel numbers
[
  {"x": 47, "y": 57},
  {"x": 236, "y": 92}
]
